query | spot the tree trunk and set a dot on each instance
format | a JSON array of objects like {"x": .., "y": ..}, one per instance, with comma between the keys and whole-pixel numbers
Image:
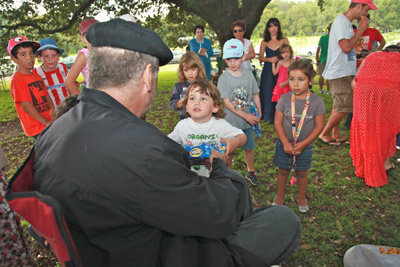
[{"x": 221, "y": 13}]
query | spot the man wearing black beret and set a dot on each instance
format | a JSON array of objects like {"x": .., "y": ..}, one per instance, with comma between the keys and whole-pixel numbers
[{"x": 127, "y": 191}]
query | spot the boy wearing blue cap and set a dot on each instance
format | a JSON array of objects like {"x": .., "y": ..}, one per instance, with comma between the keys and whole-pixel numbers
[
  {"x": 238, "y": 88},
  {"x": 52, "y": 72}
]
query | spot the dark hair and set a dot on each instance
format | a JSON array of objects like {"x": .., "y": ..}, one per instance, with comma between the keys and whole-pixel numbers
[
  {"x": 67, "y": 104},
  {"x": 198, "y": 27},
  {"x": 267, "y": 35},
  {"x": 207, "y": 88},
  {"x": 14, "y": 51},
  {"x": 239, "y": 23},
  {"x": 305, "y": 66},
  {"x": 392, "y": 48},
  {"x": 284, "y": 47}
]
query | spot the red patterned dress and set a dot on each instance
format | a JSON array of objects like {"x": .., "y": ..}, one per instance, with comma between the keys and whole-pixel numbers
[{"x": 376, "y": 116}]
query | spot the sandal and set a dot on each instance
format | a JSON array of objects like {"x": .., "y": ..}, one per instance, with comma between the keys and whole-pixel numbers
[
  {"x": 345, "y": 141},
  {"x": 304, "y": 209},
  {"x": 330, "y": 143}
]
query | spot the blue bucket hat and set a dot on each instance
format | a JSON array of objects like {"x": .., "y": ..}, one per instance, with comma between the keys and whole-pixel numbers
[
  {"x": 233, "y": 48},
  {"x": 48, "y": 43}
]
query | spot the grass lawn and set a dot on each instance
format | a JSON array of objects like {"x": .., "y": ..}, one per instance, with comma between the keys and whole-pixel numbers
[{"x": 343, "y": 210}]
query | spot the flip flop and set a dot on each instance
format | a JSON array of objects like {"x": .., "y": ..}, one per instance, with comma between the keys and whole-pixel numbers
[
  {"x": 329, "y": 143},
  {"x": 345, "y": 141}
]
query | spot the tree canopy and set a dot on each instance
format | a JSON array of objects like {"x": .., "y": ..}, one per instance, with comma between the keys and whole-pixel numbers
[
  {"x": 172, "y": 19},
  {"x": 24, "y": 17}
]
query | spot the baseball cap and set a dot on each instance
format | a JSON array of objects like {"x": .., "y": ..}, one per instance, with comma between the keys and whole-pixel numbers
[
  {"x": 84, "y": 25},
  {"x": 370, "y": 3},
  {"x": 19, "y": 40},
  {"x": 124, "y": 34},
  {"x": 233, "y": 48},
  {"x": 48, "y": 43}
]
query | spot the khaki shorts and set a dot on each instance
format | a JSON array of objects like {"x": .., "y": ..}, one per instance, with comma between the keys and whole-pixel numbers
[
  {"x": 342, "y": 94},
  {"x": 321, "y": 68}
]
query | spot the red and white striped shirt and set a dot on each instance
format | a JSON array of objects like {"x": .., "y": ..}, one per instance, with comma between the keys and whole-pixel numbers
[{"x": 54, "y": 81}]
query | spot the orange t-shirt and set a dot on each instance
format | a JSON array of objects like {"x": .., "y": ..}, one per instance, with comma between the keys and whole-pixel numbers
[{"x": 30, "y": 88}]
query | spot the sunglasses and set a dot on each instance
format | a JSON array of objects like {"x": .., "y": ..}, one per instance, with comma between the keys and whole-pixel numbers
[{"x": 235, "y": 31}]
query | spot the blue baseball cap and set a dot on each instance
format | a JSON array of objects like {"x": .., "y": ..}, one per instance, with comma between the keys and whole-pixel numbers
[
  {"x": 233, "y": 48},
  {"x": 48, "y": 43}
]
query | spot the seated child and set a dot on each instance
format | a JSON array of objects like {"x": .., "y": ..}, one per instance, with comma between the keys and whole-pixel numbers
[
  {"x": 205, "y": 123},
  {"x": 28, "y": 90},
  {"x": 190, "y": 69},
  {"x": 52, "y": 72}
]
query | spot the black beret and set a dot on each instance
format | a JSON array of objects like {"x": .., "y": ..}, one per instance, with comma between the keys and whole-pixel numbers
[{"x": 129, "y": 35}]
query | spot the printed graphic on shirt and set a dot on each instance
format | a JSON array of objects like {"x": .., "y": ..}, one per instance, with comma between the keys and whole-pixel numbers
[
  {"x": 288, "y": 113},
  {"x": 240, "y": 98},
  {"x": 198, "y": 139},
  {"x": 40, "y": 104}
]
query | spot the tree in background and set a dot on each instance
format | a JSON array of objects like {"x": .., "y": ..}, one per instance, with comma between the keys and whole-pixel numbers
[{"x": 65, "y": 15}]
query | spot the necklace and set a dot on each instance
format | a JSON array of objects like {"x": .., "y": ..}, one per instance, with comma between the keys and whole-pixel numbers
[{"x": 296, "y": 132}]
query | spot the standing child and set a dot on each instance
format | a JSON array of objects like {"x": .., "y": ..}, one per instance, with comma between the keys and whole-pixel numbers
[
  {"x": 282, "y": 85},
  {"x": 28, "y": 90},
  {"x": 190, "y": 69},
  {"x": 80, "y": 64},
  {"x": 238, "y": 87},
  {"x": 52, "y": 72},
  {"x": 205, "y": 123},
  {"x": 299, "y": 119}
]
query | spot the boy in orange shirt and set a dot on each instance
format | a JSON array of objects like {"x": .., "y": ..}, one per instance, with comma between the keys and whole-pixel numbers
[{"x": 28, "y": 90}]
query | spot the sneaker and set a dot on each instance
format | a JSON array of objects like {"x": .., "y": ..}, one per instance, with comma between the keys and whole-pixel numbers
[
  {"x": 321, "y": 91},
  {"x": 328, "y": 92},
  {"x": 252, "y": 177}
]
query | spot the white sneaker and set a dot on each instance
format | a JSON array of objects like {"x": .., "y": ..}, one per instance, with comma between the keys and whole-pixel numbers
[
  {"x": 328, "y": 92},
  {"x": 321, "y": 91}
]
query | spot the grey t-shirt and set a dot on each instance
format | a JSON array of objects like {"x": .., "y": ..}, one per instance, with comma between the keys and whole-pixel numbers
[
  {"x": 240, "y": 91},
  {"x": 315, "y": 108},
  {"x": 338, "y": 63}
]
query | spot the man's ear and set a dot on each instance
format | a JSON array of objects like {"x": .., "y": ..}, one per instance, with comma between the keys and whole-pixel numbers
[{"x": 148, "y": 77}]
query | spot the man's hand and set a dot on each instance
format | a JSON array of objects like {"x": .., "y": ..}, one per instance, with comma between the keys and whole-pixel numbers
[{"x": 214, "y": 154}]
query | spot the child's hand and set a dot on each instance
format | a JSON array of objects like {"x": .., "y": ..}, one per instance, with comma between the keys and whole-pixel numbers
[
  {"x": 231, "y": 145},
  {"x": 282, "y": 85},
  {"x": 288, "y": 148},
  {"x": 299, "y": 147},
  {"x": 252, "y": 119}
]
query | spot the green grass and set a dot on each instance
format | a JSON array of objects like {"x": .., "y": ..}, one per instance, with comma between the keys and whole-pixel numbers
[{"x": 344, "y": 211}]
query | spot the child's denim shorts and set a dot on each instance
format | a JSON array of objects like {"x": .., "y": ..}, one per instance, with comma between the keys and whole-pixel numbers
[
  {"x": 285, "y": 161},
  {"x": 251, "y": 141}
]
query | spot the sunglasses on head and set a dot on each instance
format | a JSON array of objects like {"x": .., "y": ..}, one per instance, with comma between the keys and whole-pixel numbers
[{"x": 235, "y": 31}]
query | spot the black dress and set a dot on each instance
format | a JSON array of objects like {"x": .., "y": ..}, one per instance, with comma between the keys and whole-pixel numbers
[{"x": 267, "y": 84}]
